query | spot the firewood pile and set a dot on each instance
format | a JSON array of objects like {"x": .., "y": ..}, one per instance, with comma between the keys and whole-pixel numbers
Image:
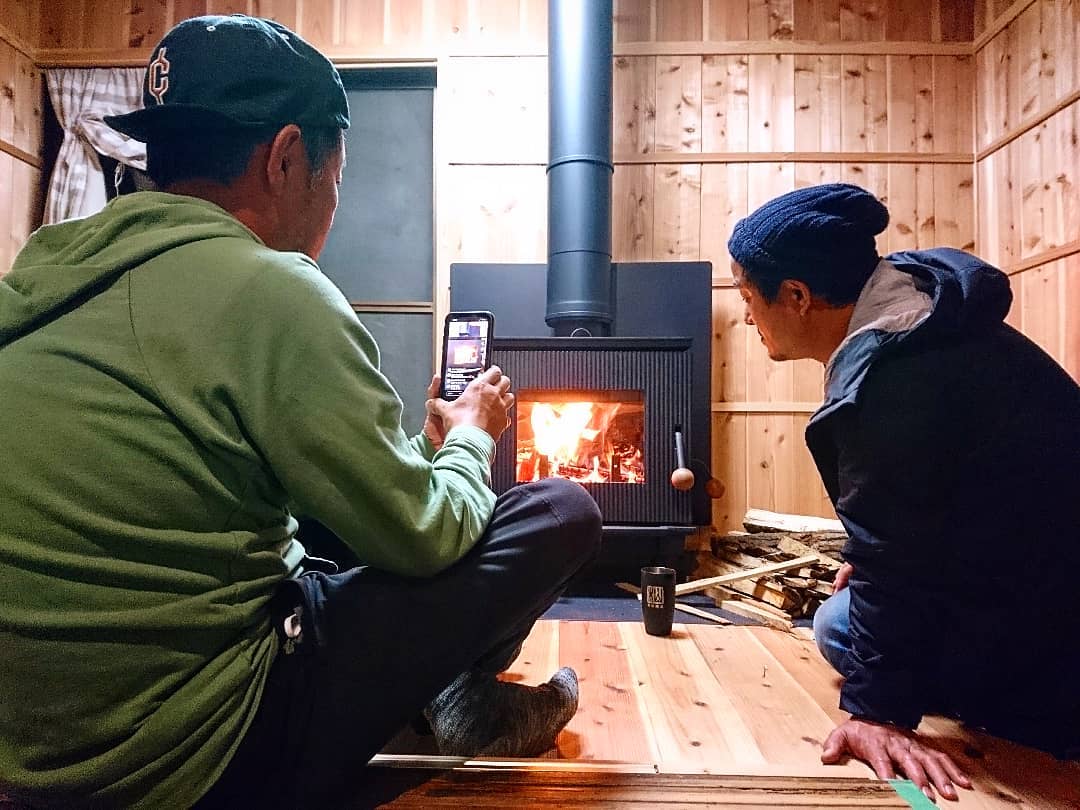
[{"x": 802, "y": 555}]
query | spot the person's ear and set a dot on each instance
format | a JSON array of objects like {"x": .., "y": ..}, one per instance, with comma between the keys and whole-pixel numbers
[
  {"x": 797, "y": 294},
  {"x": 284, "y": 158}
]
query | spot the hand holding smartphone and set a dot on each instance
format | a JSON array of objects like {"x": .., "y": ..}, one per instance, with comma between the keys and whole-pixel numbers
[{"x": 466, "y": 350}]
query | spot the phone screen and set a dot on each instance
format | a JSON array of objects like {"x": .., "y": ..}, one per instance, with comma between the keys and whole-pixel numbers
[{"x": 465, "y": 350}]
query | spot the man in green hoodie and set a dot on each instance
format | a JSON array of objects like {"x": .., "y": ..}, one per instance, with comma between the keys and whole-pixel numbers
[{"x": 175, "y": 372}]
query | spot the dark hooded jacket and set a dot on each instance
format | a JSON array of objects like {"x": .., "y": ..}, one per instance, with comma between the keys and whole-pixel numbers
[{"x": 949, "y": 444}]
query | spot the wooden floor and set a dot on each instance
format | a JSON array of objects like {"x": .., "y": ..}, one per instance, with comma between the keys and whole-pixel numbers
[
  {"x": 737, "y": 702},
  {"x": 486, "y": 787}
]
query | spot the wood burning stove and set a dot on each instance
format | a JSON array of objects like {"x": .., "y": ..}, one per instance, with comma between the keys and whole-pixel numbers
[
  {"x": 612, "y": 362},
  {"x": 628, "y": 394}
]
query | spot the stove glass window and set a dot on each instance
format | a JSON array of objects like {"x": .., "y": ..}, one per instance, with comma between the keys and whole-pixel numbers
[{"x": 585, "y": 436}]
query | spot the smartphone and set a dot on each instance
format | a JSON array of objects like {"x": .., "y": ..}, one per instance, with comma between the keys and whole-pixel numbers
[{"x": 466, "y": 350}]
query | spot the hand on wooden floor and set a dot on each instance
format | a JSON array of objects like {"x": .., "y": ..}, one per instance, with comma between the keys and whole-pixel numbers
[{"x": 887, "y": 749}]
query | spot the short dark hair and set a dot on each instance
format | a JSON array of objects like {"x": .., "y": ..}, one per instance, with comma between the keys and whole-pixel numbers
[
  {"x": 320, "y": 143},
  {"x": 838, "y": 290},
  {"x": 222, "y": 156},
  {"x": 769, "y": 286}
]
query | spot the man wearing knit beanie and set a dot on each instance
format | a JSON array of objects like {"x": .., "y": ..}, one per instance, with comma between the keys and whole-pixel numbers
[{"x": 940, "y": 426}]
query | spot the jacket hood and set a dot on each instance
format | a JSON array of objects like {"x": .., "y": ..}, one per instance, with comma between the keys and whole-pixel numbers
[
  {"x": 914, "y": 294},
  {"x": 969, "y": 295},
  {"x": 61, "y": 265}
]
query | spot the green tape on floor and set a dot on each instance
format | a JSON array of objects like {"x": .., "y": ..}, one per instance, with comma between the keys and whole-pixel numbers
[{"x": 912, "y": 794}]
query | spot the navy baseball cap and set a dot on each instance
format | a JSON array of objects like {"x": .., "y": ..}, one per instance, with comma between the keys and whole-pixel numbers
[{"x": 234, "y": 72}]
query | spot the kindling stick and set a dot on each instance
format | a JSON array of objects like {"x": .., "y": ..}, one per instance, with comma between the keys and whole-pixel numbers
[
  {"x": 693, "y": 611},
  {"x": 696, "y": 585}
]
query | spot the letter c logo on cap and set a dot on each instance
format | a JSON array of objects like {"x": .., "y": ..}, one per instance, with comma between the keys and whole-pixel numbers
[{"x": 157, "y": 76}]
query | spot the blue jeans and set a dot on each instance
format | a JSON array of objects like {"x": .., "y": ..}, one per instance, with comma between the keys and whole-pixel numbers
[
  {"x": 378, "y": 647},
  {"x": 832, "y": 630}
]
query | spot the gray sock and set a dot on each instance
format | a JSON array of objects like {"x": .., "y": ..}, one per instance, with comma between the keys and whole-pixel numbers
[{"x": 479, "y": 715}]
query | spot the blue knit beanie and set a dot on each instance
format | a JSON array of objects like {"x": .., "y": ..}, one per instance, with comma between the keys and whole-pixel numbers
[{"x": 821, "y": 235}]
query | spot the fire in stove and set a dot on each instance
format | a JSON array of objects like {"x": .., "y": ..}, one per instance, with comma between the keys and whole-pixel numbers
[{"x": 585, "y": 436}]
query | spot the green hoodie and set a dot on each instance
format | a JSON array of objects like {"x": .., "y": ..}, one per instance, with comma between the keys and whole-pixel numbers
[{"x": 168, "y": 385}]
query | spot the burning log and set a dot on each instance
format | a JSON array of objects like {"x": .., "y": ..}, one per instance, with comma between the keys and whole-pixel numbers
[{"x": 588, "y": 442}]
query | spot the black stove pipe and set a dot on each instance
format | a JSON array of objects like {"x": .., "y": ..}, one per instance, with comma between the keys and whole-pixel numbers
[{"x": 579, "y": 294}]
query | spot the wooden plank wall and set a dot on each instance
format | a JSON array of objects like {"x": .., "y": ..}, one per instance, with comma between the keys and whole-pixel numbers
[
  {"x": 124, "y": 31},
  {"x": 20, "y": 127},
  {"x": 1028, "y": 176},
  {"x": 719, "y": 105}
]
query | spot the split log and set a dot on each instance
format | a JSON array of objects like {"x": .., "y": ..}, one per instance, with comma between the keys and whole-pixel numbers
[
  {"x": 762, "y": 520},
  {"x": 723, "y": 593},
  {"x": 701, "y": 584},
  {"x": 784, "y": 563},
  {"x": 755, "y": 611},
  {"x": 827, "y": 549},
  {"x": 827, "y": 544},
  {"x": 767, "y": 589}
]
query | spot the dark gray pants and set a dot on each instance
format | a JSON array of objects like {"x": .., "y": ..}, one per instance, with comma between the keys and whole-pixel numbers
[{"x": 378, "y": 647}]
